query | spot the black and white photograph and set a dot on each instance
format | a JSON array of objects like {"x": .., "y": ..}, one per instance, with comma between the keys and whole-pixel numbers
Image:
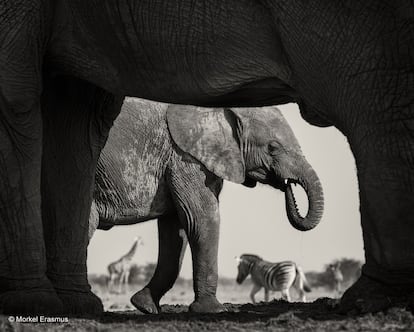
[{"x": 206, "y": 165}]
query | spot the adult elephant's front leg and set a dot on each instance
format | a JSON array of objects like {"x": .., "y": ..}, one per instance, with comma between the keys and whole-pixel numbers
[
  {"x": 195, "y": 195},
  {"x": 385, "y": 161},
  {"x": 77, "y": 118},
  {"x": 24, "y": 287}
]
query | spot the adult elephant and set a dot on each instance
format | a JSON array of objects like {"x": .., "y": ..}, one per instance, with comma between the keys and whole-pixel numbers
[
  {"x": 66, "y": 65},
  {"x": 168, "y": 162}
]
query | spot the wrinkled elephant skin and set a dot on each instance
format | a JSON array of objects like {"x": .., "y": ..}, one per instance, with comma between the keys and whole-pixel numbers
[{"x": 65, "y": 67}]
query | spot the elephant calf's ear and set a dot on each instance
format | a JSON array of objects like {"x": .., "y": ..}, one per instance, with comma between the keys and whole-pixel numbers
[{"x": 209, "y": 135}]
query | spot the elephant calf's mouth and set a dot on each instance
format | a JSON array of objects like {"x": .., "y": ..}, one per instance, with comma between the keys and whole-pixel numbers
[{"x": 282, "y": 183}]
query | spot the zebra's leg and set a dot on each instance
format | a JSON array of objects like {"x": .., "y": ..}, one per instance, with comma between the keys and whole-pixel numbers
[
  {"x": 286, "y": 295},
  {"x": 266, "y": 295},
  {"x": 172, "y": 243},
  {"x": 253, "y": 292},
  {"x": 301, "y": 293}
]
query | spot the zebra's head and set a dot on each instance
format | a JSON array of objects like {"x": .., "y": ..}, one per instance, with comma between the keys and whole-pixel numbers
[{"x": 246, "y": 261}]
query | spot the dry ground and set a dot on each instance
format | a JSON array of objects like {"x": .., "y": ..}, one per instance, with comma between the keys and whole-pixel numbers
[
  {"x": 183, "y": 294},
  {"x": 274, "y": 316}
]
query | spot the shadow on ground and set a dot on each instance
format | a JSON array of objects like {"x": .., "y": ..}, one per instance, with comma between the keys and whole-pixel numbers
[
  {"x": 274, "y": 316},
  {"x": 322, "y": 309}
]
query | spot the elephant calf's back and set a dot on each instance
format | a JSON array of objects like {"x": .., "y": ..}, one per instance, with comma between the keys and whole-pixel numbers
[{"x": 130, "y": 183}]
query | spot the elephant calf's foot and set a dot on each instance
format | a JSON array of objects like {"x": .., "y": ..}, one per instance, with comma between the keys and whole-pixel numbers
[
  {"x": 206, "y": 305},
  {"x": 368, "y": 295},
  {"x": 144, "y": 302},
  {"x": 81, "y": 303}
]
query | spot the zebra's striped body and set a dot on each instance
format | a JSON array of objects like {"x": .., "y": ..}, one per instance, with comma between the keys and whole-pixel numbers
[{"x": 280, "y": 276}]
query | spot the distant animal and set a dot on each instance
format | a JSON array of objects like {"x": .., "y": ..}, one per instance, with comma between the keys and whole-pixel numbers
[
  {"x": 120, "y": 269},
  {"x": 337, "y": 276},
  {"x": 280, "y": 276},
  {"x": 168, "y": 162}
]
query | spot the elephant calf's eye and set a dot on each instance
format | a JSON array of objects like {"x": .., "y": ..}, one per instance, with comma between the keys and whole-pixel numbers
[{"x": 274, "y": 147}]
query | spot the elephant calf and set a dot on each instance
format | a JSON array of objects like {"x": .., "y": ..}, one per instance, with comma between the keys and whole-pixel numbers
[{"x": 168, "y": 162}]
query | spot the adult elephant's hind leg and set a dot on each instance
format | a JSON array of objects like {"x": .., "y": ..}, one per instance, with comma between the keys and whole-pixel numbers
[
  {"x": 385, "y": 161},
  {"x": 77, "y": 118},
  {"x": 172, "y": 242}
]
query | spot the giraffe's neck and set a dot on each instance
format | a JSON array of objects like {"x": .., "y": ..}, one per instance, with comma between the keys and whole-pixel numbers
[{"x": 128, "y": 256}]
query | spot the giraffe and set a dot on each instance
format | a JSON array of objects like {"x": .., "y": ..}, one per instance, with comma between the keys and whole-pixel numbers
[
  {"x": 119, "y": 270},
  {"x": 337, "y": 276}
]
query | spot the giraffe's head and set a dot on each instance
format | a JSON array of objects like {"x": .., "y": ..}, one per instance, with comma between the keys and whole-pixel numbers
[{"x": 138, "y": 240}]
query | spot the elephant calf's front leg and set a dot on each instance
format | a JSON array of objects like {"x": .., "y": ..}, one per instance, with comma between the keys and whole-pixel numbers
[
  {"x": 198, "y": 210},
  {"x": 171, "y": 243}
]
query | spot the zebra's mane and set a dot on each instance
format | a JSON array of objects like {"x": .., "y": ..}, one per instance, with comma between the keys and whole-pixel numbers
[{"x": 251, "y": 257}]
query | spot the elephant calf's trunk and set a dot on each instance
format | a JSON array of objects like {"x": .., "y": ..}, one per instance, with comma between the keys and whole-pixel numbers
[{"x": 314, "y": 192}]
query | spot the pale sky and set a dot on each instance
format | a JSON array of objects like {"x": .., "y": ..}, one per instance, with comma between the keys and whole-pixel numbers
[{"x": 254, "y": 220}]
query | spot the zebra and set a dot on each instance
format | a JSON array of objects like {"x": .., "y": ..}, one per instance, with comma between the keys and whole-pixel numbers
[{"x": 278, "y": 276}]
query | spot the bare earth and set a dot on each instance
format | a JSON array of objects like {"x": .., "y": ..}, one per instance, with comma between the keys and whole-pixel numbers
[{"x": 276, "y": 315}]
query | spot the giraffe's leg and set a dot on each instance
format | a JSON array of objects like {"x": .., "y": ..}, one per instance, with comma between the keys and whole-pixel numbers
[
  {"x": 77, "y": 117},
  {"x": 111, "y": 282},
  {"x": 121, "y": 281},
  {"x": 126, "y": 280},
  {"x": 118, "y": 282},
  {"x": 253, "y": 292},
  {"x": 115, "y": 281},
  {"x": 172, "y": 243}
]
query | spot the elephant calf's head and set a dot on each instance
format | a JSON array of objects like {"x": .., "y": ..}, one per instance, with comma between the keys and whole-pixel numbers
[{"x": 246, "y": 145}]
